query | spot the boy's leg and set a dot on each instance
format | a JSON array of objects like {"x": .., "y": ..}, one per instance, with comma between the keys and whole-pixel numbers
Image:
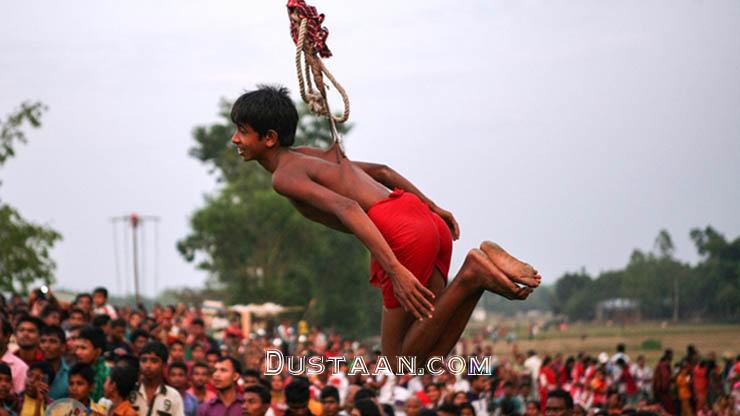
[{"x": 477, "y": 274}]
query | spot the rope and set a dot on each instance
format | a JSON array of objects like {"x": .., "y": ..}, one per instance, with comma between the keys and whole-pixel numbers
[{"x": 310, "y": 40}]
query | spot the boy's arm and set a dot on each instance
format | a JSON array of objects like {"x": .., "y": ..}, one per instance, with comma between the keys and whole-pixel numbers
[
  {"x": 412, "y": 295},
  {"x": 392, "y": 179}
]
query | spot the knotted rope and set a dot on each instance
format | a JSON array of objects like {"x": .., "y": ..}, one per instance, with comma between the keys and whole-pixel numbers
[{"x": 310, "y": 40}]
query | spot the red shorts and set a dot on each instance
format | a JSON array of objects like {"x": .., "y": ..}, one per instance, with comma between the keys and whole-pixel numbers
[{"x": 419, "y": 238}]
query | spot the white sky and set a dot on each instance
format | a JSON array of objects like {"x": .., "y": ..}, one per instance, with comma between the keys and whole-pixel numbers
[{"x": 569, "y": 131}]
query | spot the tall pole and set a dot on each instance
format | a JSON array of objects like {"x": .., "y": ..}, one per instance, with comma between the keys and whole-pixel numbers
[{"x": 134, "y": 228}]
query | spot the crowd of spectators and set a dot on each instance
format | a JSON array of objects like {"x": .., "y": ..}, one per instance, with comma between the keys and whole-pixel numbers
[{"x": 125, "y": 362}]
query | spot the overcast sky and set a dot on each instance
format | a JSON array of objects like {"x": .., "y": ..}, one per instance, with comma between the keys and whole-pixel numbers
[{"x": 570, "y": 132}]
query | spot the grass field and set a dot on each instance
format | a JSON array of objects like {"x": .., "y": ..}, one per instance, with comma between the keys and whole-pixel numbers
[{"x": 705, "y": 337}]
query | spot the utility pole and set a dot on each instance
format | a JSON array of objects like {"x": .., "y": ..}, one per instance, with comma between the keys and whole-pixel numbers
[{"x": 135, "y": 221}]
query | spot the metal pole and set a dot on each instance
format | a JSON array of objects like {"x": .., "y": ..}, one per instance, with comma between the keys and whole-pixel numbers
[{"x": 134, "y": 226}]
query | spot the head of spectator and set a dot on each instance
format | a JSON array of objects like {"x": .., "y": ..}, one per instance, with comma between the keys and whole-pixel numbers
[
  {"x": 197, "y": 328},
  {"x": 177, "y": 351},
  {"x": 138, "y": 339},
  {"x": 6, "y": 384},
  {"x": 250, "y": 377},
  {"x": 100, "y": 297},
  {"x": 152, "y": 359},
  {"x": 508, "y": 389},
  {"x": 51, "y": 315},
  {"x": 85, "y": 302},
  {"x": 296, "y": 397},
  {"x": 81, "y": 382},
  {"x": 330, "y": 400},
  {"x": 226, "y": 374},
  {"x": 120, "y": 383},
  {"x": 525, "y": 389},
  {"x": 478, "y": 383},
  {"x": 467, "y": 409},
  {"x": 257, "y": 399},
  {"x": 77, "y": 318},
  {"x": 667, "y": 355},
  {"x": 412, "y": 406},
  {"x": 198, "y": 352},
  {"x": 117, "y": 329},
  {"x": 200, "y": 376},
  {"x": 6, "y": 330},
  {"x": 432, "y": 391},
  {"x": 90, "y": 345},
  {"x": 102, "y": 321},
  {"x": 559, "y": 402},
  {"x": 448, "y": 409},
  {"x": 532, "y": 408},
  {"x": 53, "y": 341},
  {"x": 177, "y": 375},
  {"x": 135, "y": 320},
  {"x": 38, "y": 377},
  {"x": 212, "y": 357},
  {"x": 277, "y": 384},
  {"x": 364, "y": 407},
  {"x": 27, "y": 336}
]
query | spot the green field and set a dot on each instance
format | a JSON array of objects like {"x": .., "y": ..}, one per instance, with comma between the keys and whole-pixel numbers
[{"x": 705, "y": 337}]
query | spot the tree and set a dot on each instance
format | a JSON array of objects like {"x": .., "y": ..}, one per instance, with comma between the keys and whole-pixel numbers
[
  {"x": 24, "y": 246},
  {"x": 256, "y": 247}
]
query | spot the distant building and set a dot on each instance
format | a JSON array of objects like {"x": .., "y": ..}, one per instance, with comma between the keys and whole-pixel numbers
[{"x": 618, "y": 309}]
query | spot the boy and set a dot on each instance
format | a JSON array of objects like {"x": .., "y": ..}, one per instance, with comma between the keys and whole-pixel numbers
[
  {"x": 118, "y": 386},
  {"x": 153, "y": 396},
  {"x": 36, "y": 396},
  {"x": 100, "y": 301},
  {"x": 53, "y": 341},
  {"x": 81, "y": 384},
  {"x": 8, "y": 399},
  {"x": 409, "y": 237},
  {"x": 257, "y": 399},
  {"x": 177, "y": 377},
  {"x": 89, "y": 350}
]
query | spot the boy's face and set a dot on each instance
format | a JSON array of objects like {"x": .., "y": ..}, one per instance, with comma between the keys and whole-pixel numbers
[
  {"x": 6, "y": 386},
  {"x": 151, "y": 366},
  {"x": 99, "y": 299},
  {"x": 34, "y": 377},
  {"x": 248, "y": 143},
  {"x": 79, "y": 388},
  {"x": 200, "y": 376},
  {"x": 27, "y": 335},
  {"x": 253, "y": 406},
  {"x": 177, "y": 352},
  {"x": 177, "y": 378},
  {"x": 86, "y": 352},
  {"x": 52, "y": 347}
]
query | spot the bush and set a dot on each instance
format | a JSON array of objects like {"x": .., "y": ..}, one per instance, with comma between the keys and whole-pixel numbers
[{"x": 651, "y": 344}]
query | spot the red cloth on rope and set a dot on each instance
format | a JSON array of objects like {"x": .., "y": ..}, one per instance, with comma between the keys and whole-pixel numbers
[{"x": 316, "y": 33}]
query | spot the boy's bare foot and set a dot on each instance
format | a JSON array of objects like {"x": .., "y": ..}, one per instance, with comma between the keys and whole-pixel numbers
[
  {"x": 518, "y": 271},
  {"x": 480, "y": 269}
]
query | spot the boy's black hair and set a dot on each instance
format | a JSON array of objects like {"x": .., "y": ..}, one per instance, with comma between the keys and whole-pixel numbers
[
  {"x": 124, "y": 378},
  {"x": 197, "y": 321},
  {"x": 49, "y": 309},
  {"x": 100, "y": 320},
  {"x": 449, "y": 408},
  {"x": 95, "y": 335},
  {"x": 54, "y": 330},
  {"x": 251, "y": 372},
  {"x": 5, "y": 370},
  {"x": 177, "y": 364},
  {"x": 267, "y": 108},
  {"x": 83, "y": 370},
  {"x": 118, "y": 323},
  {"x": 261, "y": 391},
  {"x": 127, "y": 360},
  {"x": 562, "y": 394},
  {"x": 45, "y": 368},
  {"x": 367, "y": 407},
  {"x": 38, "y": 323},
  {"x": 235, "y": 364},
  {"x": 467, "y": 405},
  {"x": 330, "y": 391},
  {"x": 137, "y": 334},
  {"x": 156, "y": 348},
  {"x": 200, "y": 364},
  {"x": 102, "y": 291},
  {"x": 82, "y": 295},
  {"x": 177, "y": 342},
  {"x": 297, "y": 391},
  {"x": 364, "y": 393},
  {"x": 6, "y": 326}
]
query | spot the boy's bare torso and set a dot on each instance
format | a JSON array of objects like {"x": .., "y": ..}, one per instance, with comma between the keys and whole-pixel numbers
[{"x": 344, "y": 178}]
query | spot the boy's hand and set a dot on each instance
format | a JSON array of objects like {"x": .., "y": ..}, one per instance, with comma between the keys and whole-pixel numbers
[
  {"x": 43, "y": 389},
  {"x": 412, "y": 295},
  {"x": 449, "y": 219}
]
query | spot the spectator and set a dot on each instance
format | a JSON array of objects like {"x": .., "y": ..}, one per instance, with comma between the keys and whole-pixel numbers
[
  {"x": 153, "y": 395},
  {"x": 100, "y": 301},
  {"x": 35, "y": 398},
  {"x": 330, "y": 401},
  {"x": 53, "y": 345},
  {"x": 18, "y": 368},
  {"x": 199, "y": 383},
  {"x": 118, "y": 387},
  {"x": 8, "y": 399},
  {"x": 257, "y": 400},
  {"x": 138, "y": 339},
  {"x": 224, "y": 378},
  {"x": 27, "y": 333},
  {"x": 559, "y": 403},
  {"x": 448, "y": 409},
  {"x": 85, "y": 302},
  {"x": 508, "y": 403},
  {"x": 81, "y": 384},
  {"x": 250, "y": 377},
  {"x": 51, "y": 315},
  {"x": 77, "y": 319},
  {"x": 364, "y": 407},
  {"x": 89, "y": 350},
  {"x": 177, "y": 377},
  {"x": 177, "y": 351},
  {"x": 116, "y": 338}
]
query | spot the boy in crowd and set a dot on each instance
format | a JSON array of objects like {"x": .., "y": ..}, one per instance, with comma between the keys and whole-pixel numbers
[
  {"x": 27, "y": 333},
  {"x": 53, "y": 342},
  {"x": 81, "y": 384},
  {"x": 100, "y": 300},
  {"x": 257, "y": 399},
  {"x": 199, "y": 383},
  {"x": 177, "y": 377},
  {"x": 118, "y": 386},
  {"x": 89, "y": 350},
  {"x": 330, "y": 401},
  {"x": 409, "y": 237},
  {"x": 224, "y": 378},
  {"x": 36, "y": 396},
  {"x": 18, "y": 368},
  {"x": 8, "y": 399},
  {"x": 153, "y": 396}
]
